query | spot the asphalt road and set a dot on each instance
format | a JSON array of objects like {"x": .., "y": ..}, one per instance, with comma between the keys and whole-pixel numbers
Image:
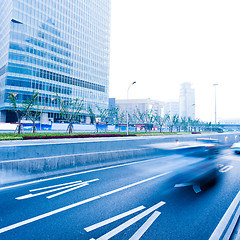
[{"x": 126, "y": 201}]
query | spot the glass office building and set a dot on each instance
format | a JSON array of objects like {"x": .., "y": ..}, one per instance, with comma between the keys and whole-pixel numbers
[{"x": 54, "y": 46}]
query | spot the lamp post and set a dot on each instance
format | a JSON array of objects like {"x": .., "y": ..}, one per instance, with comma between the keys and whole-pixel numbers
[
  {"x": 127, "y": 104},
  {"x": 215, "y": 87}
]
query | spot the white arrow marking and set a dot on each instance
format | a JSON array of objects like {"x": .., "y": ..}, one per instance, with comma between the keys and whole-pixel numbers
[
  {"x": 54, "y": 190},
  {"x": 53, "y": 186},
  {"x": 68, "y": 190}
]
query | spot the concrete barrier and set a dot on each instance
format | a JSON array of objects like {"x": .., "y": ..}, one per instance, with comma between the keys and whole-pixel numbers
[{"x": 39, "y": 156}]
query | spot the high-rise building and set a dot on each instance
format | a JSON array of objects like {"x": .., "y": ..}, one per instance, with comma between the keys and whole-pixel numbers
[
  {"x": 187, "y": 101},
  {"x": 54, "y": 46}
]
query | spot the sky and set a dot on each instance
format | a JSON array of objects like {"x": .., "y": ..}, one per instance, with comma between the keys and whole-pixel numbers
[{"x": 163, "y": 43}]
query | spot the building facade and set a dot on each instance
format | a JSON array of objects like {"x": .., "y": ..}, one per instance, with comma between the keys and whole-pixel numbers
[
  {"x": 171, "y": 108},
  {"x": 54, "y": 47},
  {"x": 143, "y": 105},
  {"x": 187, "y": 101}
]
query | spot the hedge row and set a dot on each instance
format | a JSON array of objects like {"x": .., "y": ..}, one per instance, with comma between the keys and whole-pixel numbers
[{"x": 75, "y": 136}]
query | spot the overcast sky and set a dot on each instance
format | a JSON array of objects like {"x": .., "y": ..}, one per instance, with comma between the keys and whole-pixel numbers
[{"x": 163, "y": 43}]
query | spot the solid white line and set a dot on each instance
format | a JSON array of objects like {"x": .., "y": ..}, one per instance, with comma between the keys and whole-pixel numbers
[
  {"x": 113, "y": 219},
  {"x": 53, "y": 186},
  {"x": 145, "y": 226},
  {"x": 74, "y": 174},
  {"x": 132, "y": 185},
  {"x": 66, "y": 191},
  {"x": 125, "y": 225},
  {"x": 66, "y": 208},
  {"x": 232, "y": 225},
  {"x": 225, "y": 219}
]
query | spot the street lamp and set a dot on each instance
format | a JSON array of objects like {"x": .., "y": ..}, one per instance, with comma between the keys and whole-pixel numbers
[
  {"x": 215, "y": 87},
  {"x": 127, "y": 104}
]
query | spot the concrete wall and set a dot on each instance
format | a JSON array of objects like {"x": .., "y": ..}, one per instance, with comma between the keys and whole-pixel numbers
[{"x": 46, "y": 155}]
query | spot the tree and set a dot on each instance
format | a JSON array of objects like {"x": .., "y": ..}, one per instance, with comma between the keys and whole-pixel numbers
[
  {"x": 106, "y": 116},
  {"x": 91, "y": 115},
  {"x": 159, "y": 121},
  {"x": 169, "y": 122},
  {"x": 176, "y": 122},
  {"x": 190, "y": 124},
  {"x": 141, "y": 116},
  {"x": 184, "y": 124},
  {"x": 21, "y": 109},
  {"x": 70, "y": 110},
  {"x": 118, "y": 117},
  {"x": 34, "y": 111}
]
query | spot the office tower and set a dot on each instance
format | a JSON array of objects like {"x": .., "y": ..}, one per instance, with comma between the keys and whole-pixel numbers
[
  {"x": 54, "y": 47},
  {"x": 187, "y": 101}
]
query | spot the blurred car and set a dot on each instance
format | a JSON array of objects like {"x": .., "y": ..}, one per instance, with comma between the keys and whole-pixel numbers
[
  {"x": 196, "y": 163},
  {"x": 236, "y": 147}
]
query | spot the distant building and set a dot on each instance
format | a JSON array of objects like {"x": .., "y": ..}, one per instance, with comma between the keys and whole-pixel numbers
[
  {"x": 111, "y": 103},
  {"x": 187, "y": 101},
  {"x": 171, "y": 108},
  {"x": 144, "y": 105}
]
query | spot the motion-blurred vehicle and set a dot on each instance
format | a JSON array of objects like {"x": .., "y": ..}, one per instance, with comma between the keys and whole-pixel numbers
[
  {"x": 236, "y": 147},
  {"x": 195, "y": 162}
]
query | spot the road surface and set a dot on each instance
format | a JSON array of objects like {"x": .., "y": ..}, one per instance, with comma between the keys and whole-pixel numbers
[{"x": 125, "y": 201}]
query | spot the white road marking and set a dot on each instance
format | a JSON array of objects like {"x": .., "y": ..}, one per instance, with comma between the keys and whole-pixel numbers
[
  {"x": 132, "y": 185},
  {"x": 53, "y": 186},
  {"x": 74, "y": 174},
  {"x": 13, "y": 226},
  {"x": 145, "y": 226},
  {"x": 54, "y": 190},
  {"x": 219, "y": 166},
  {"x": 230, "y": 230},
  {"x": 46, "y": 192},
  {"x": 34, "y": 219},
  {"x": 66, "y": 191},
  {"x": 125, "y": 225},
  {"x": 113, "y": 219},
  {"x": 217, "y": 234},
  {"x": 225, "y": 169}
]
